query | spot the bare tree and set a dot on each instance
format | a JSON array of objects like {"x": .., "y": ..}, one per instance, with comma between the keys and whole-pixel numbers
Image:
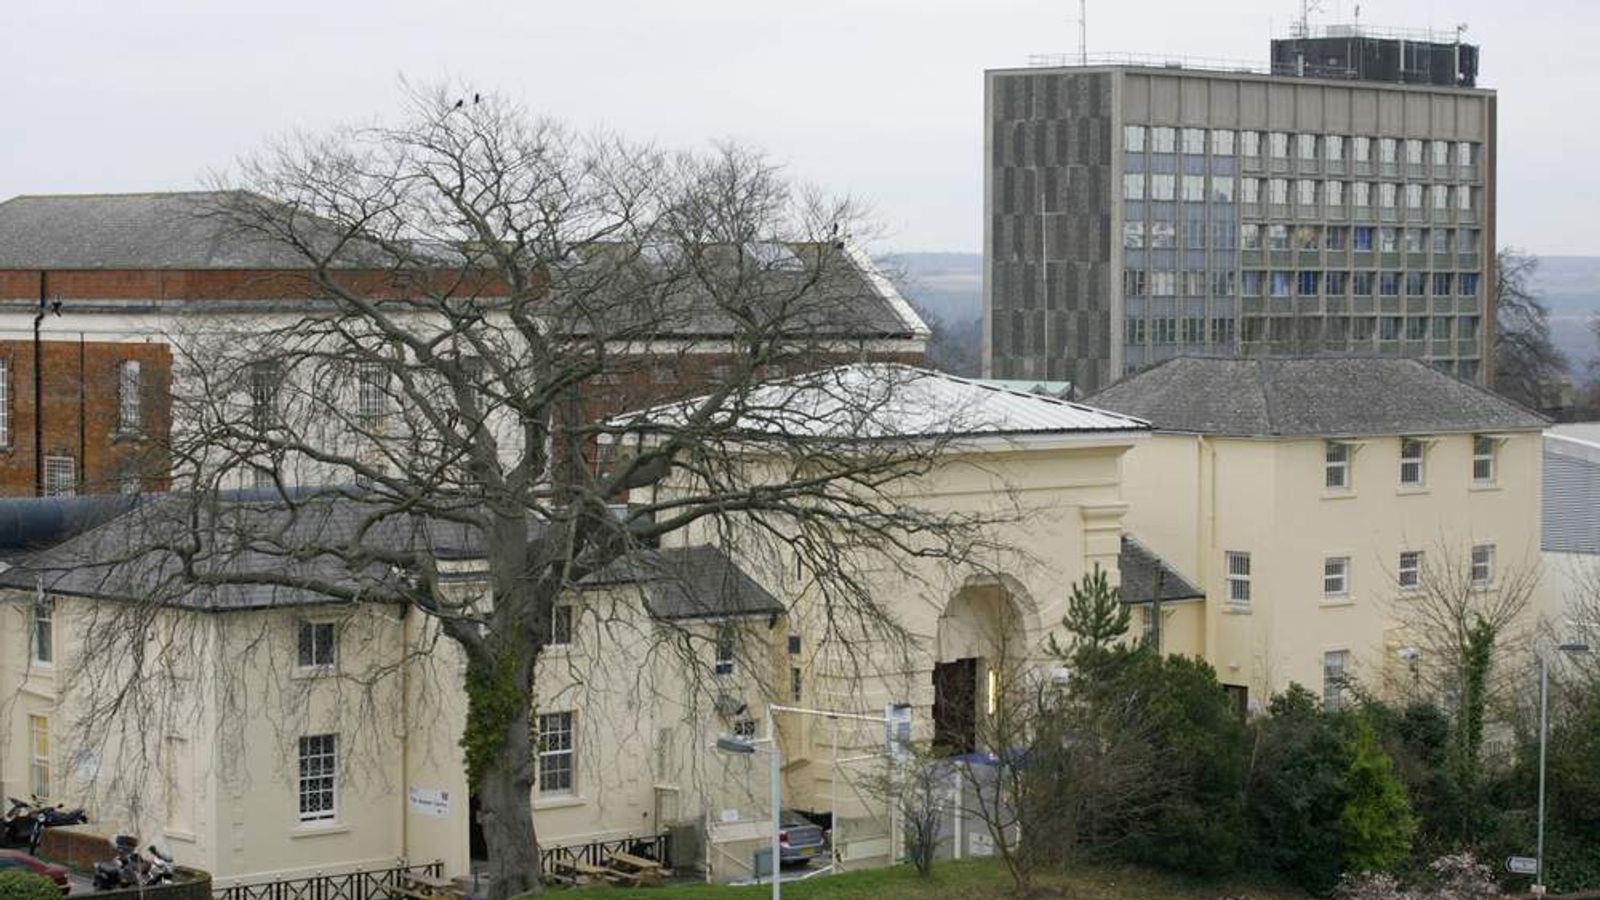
[
  {"x": 1527, "y": 366},
  {"x": 1468, "y": 618},
  {"x": 493, "y": 294}
]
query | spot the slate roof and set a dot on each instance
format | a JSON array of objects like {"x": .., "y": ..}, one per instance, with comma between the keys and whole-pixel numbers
[
  {"x": 1139, "y": 567},
  {"x": 846, "y": 294},
  {"x": 131, "y": 231},
  {"x": 1324, "y": 396},
  {"x": 690, "y": 583},
  {"x": 124, "y": 558},
  {"x": 880, "y": 401}
]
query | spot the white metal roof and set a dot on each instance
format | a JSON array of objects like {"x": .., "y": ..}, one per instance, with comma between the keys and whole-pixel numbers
[{"x": 877, "y": 401}]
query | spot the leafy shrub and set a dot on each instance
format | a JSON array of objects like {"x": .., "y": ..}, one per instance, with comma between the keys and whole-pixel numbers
[
  {"x": 1296, "y": 788},
  {"x": 16, "y": 885},
  {"x": 1376, "y": 826}
]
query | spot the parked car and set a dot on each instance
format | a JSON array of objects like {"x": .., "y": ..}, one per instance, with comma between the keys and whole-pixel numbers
[
  {"x": 16, "y": 859},
  {"x": 800, "y": 840}
]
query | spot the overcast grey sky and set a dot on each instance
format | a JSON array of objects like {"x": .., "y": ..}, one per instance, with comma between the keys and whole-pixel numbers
[{"x": 880, "y": 99}]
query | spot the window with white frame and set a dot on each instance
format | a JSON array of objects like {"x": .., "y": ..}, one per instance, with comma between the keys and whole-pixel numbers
[
  {"x": 372, "y": 390},
  {"x": 1238, "y": 569},
  {"x": 319, "y": 777},
  {"x": 1482, "y": 571},
  {"x": 727, "y": 643},
  {"x": 1335, "y": 665},
  {"x": 1336, "y": 466},
  {"x": 60, "y": 476},
  {"x": 1336, "y": 577},
  {"x": 39, "y": 780},
  {"x": 1483, "y": 462},
  {"x": 130, "y": 411},
  {"x": 560, "y": 625},
  {"x": 44, "y": 631},
  {"x": 319, "y": 645},
  {"x": 557, "y": 742},
  {"x": 1412, "y": 468},
  {"x": 1409, "y": 573},
  {"x": 5, "y": 401}
]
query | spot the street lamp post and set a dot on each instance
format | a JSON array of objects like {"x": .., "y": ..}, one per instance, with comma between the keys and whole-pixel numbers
[
  {"x": 728, "y": 743},
  {"x": 1544, "y": 728}
]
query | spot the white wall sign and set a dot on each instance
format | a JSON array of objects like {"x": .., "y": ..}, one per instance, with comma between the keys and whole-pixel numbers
[
  {"x": 730, "y": 815},
  {"x": 430, "y": 802}
]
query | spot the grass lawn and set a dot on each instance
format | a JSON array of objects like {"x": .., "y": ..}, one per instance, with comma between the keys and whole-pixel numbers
[{"x": 974, "y": 880}]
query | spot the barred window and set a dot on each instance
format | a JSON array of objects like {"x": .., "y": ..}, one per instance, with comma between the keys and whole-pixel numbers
[
  {"x": 1482, "y": 565},
  {"x": 44, "y": 632},
  {"x": 372, "y": 390},
  {"x": 1334, "y": 665},
  {"x": 1412, "y": 472},
  {"x": 1483, "y": 459},
  {"x": 1238, "y": 569},
  {"x": 130, "y": 413},
  {"x": 5, "y": 401},
  {"x": 1336, "y": 468},
  {"x": 556, "y": 756},
  {"x": 1409, "y": 575},
  {"x": 60, "y": 476},
  {"x": 560, "y": 625},
  {"x": 319, "y": 777},
  {"x": 264, "y": 380},
  {"x": 1336, "y": 577}
]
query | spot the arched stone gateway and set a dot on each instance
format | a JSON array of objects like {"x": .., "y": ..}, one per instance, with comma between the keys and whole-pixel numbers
[{"x": 985, "y": 633}]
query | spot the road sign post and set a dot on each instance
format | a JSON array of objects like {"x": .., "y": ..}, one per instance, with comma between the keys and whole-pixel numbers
[{"x": 1522, "y": 865}]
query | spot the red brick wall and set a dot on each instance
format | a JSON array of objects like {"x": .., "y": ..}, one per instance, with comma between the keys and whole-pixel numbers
[{"x": 80, "y": 383}]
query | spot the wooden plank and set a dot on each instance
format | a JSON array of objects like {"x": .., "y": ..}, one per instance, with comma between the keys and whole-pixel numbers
[{"x": 638, "y": 862}]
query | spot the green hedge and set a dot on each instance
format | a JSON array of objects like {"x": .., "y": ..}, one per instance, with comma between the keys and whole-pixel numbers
[{"x": 15, "y": 885}]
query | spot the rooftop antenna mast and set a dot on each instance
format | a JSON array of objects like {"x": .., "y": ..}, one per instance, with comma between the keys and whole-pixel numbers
[
  {"x": 1083, "y": 32},
  {"x": 1302, "y": 27}
]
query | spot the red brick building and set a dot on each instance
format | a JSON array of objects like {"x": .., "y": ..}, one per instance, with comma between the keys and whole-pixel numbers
[{"x": 113, "y": 273}]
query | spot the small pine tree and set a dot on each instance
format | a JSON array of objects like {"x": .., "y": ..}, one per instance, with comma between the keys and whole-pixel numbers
[
  {"x": 1376, "y": 825},
  {"x": 1096, "y": 617}
]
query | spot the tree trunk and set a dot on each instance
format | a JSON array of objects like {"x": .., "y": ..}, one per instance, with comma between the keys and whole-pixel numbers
[{"x": 505, "y": 799}]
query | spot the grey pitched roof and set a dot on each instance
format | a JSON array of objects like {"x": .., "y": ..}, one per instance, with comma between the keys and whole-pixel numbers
[
  {"x": 131, "y": 231},
  {"x": 846, "y": 294},
  {"x": 1139, "y": 567},
  {"x": 690, "y": 583},
  {"x": 1327, "y": 396},
  {"x": 315, "y": 539}
]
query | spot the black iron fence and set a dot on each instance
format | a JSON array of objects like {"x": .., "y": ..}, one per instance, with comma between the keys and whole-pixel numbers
[
  {"x": 598, "y": 853},
  {"x": 367, "y": 884}
]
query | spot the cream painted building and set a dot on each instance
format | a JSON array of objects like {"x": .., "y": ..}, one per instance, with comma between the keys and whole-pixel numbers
[
  {"x": 297, "y": 735},
  {"x": 1308, "y": 497}
]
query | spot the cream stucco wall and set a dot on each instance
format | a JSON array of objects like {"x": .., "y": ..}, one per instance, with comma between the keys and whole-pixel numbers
[
  {"x": 642, "y": 691},
  {"x": 1193, "y": 498}
]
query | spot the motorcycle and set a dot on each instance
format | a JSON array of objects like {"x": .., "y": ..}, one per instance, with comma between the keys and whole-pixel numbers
[
  {"x": 130, "y": 869},
  {"x": 161, "y": 868},
  {"x": 25, "y": 821},
  {"x": 125, "y": 871}
]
